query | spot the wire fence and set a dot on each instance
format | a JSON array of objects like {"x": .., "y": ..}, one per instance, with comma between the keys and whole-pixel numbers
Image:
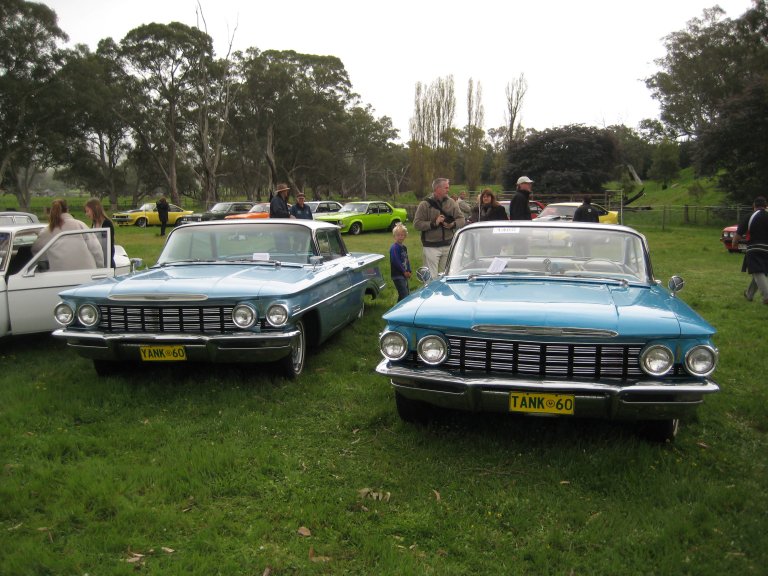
[{"x": 672, "y": 216}]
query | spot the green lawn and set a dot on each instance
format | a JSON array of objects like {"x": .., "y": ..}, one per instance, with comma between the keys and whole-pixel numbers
[{"x": 235, "y": 470}]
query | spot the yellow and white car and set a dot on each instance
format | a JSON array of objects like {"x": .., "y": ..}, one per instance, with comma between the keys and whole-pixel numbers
[
  {"x": 146, "y": 215},
  {"x": 565, "y": 211}
]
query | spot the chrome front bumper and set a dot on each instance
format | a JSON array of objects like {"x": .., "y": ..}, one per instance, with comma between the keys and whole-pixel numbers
[
  {"x": 247, "y": 347},
  {"x": 636, "y": 400}
]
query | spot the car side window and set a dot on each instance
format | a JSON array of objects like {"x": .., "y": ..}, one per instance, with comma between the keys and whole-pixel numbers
[
  {"x": 384, "y": 209},
  {"x": 330, "y": 244}
]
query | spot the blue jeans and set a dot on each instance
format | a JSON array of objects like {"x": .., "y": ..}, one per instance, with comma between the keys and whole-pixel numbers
[{"x": 401, "y": 284}]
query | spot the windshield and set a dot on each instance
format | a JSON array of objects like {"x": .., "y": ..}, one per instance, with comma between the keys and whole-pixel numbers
[
  {"x": 552, "y": 251},
  {"x": 220, "y": 207},
  {"x": 239, "y": 243},
  {"x": 355, "y": 207},
  {"x": 562, "y": 211}
]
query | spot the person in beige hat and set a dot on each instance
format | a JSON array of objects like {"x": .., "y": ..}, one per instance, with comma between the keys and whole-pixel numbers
[{"x": 278, "y": 206}]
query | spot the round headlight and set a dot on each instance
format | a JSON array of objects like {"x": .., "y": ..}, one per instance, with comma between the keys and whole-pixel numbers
[
  {"x": 701, "y": 360},
  {"x": 657, "y": 360},
  {"x": 393, "y": 345},
  {"x": 244, "y": 316},
  {"x": 432, "y": 350},
  {"x": 88, "y": 315},
  {"x": 64, "y": 314},
  {"x": 277, "y": 315}
]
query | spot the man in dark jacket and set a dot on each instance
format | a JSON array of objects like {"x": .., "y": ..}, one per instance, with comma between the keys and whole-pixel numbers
[
  {"x": 518, "y": 206},
  {"x": 756, "y": 258},
  {"x": 586, "y": 212},
  {"x": 162, "y": 213},
  {"x": 278, "y": 206}
]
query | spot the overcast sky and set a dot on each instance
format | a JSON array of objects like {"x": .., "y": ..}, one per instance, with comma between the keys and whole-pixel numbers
[{"x": 584, "y": 61}]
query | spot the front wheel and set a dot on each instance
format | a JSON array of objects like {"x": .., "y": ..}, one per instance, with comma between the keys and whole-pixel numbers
[
  {"x": 106, "y": 367},
  {"x": 661, "y": 430},
  {"x": 393, "y": 224},
  {"x": 293, "y": 364},
  {"x": 141, "y": 222},
  {"x": 413, "y": 411},
  {"x": 355, "y": 229}
]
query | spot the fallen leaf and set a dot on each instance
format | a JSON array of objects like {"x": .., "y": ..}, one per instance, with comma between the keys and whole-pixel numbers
[
  {"x": 167, "y": 550},
  {"x": 134, "y": 558},
  {"x": 315, "y": 558},
  {"x": 437, "y": 494},
  {"x": 304, "y": 531},
  {"x": 565, "y": 481},
  {"x": 702, "y": 445},
  {"x": 267, "y": 571}
]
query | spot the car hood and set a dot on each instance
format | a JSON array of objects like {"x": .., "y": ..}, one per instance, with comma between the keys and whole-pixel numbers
[
  {"x": 337, "y": 215},
  {"x": 630, "y": 311},
  {"x": 133, "y": 210},
  {"x": 214, "y": 280}
]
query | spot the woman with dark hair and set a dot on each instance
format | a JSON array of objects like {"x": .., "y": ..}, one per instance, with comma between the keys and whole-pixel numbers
[
  {"x": 488, "y": 208},
  {"x": 79, "y": 253},
  {"x": 95, "y": 211}
]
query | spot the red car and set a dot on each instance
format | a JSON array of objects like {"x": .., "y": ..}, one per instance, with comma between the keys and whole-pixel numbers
[{"x": 727, "y": 239}]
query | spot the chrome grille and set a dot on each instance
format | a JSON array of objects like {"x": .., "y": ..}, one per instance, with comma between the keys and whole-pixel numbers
[
  {"x": 176, "y": 319},
  {"x": 555, "y": 360}
]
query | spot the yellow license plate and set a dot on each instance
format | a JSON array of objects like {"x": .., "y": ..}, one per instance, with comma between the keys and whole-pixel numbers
[
  {"x": 163, "y": 353},
  {"x": 541, "y": 403}
]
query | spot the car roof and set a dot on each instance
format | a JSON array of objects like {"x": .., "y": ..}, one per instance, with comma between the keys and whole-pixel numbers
[
  {"x": 14, "y": 228},
  {"x": 312, "y": 224},
  {"x": 14, "y": 213},
  {"x": 566, "y": 224}
]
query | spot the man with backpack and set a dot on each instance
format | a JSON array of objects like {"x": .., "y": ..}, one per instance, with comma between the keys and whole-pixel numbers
[{"x": 437, "y": 218}]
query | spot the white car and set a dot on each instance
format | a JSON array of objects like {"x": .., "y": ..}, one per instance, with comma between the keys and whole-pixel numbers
[{"x": 29, "y": 290}]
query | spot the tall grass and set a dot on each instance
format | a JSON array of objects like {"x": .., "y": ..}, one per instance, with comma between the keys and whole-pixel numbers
[{"x": 233, "y": 470}]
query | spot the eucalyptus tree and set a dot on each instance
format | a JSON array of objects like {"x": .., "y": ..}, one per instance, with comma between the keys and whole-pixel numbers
[
  {"x": 705, "y": 64},
  {"x": 300, "y": 103},
  {"x": 29, "y": 59},
  {"x": 163, "y": 62},
  {"x": 97, "y": 139}
]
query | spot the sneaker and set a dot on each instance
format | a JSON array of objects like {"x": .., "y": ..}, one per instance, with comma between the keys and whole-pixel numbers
[{"x": 748, "y": 297}]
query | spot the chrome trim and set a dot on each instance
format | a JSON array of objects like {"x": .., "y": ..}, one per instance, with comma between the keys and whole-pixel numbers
[
  {"x": 157, "y": 297},
  {"x": 715, "y": 354},
  {"x": 635, "y": 400},
  {"x": 543, "y": 331}
]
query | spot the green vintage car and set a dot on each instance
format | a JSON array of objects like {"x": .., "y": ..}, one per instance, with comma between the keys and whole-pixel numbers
[{"x": 356, "y": 217}]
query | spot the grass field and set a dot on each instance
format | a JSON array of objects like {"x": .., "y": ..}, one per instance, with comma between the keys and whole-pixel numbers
[{"x": 234, "y": 470}]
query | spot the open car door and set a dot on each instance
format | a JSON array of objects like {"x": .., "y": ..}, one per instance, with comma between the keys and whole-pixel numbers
[{"x": 67, "y": 260}]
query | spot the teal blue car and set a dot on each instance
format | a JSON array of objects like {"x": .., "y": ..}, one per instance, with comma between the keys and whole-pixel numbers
[
  {"x": 550, "y": 318},
  {"x": 262, "y": 290},
  {"x": 357, "y": 217}
]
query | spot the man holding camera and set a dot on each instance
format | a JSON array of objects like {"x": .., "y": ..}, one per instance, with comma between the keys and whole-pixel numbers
[{"x": 437, "y": 218}]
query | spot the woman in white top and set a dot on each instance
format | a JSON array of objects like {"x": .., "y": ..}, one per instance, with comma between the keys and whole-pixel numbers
[{"x": 72, "y": 253}]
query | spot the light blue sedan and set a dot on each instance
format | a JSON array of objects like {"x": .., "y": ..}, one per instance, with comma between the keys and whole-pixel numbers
[
  {"x": 550, "y": 318},
  {"x": 225, "y": 291}
]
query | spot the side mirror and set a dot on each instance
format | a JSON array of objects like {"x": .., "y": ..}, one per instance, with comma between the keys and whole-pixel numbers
[
  {"x": 675, "y": 284},
  {"x": 136, "y": 263},
  {"x": 423, "y": 274},
  {"x": 316, "y": 260}
]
